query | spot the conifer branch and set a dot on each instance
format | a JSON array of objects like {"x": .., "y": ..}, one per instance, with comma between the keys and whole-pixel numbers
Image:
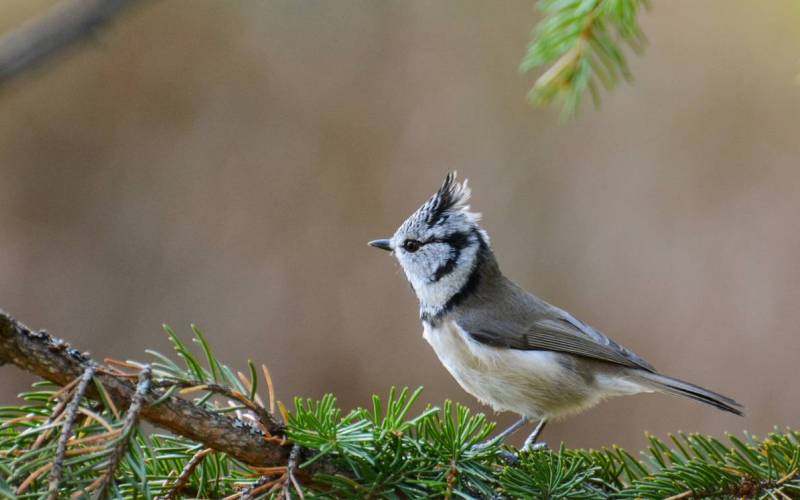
[
  {"x": 52, "y": 359},
  {"x": 291, "y": 470},
  {"x": 66, "y": 23},
  {"x": 131, "y": 420},
  {"x": 66, "y": 431},
  {"x": 265, "y": 418},
  {"x": 186, "y": 473}
]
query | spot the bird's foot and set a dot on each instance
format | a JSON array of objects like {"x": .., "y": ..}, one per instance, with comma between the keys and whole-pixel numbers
[
  {"x": 498, "y": 439},
  {"x": 486, "y": 444},
  {"x": 531, "y": 443},
  {"x": 512, "y": 459},
  {"x": 508, "y": 457},
  {"x": 534, "y": 446}
]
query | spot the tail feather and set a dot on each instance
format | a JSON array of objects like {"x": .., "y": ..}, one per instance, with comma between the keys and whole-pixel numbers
[{"x": 678, "y": 387}]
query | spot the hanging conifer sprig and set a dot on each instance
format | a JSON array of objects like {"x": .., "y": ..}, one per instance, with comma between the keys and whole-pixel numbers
[{"x": 580, "y": 43}]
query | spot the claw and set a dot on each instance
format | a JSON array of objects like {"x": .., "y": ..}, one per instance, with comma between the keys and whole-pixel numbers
[
  {"x": 510, "y": 458},
  {"x": 482, "y": 446}
]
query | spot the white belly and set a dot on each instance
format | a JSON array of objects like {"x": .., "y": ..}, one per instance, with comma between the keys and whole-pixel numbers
[{"x": 535, "y": 384}]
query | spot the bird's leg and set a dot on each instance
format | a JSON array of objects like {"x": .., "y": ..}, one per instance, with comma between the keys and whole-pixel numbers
[
  {"x": 503, "y": 435},
  {"x": 530, "y": 443}
]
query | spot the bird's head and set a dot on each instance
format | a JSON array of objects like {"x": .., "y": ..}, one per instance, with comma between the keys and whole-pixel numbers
[{"x": 438, "y": 246}]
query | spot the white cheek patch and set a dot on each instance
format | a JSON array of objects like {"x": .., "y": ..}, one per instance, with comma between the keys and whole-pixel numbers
[
  {"x": 438, "y": 255},
  {"x": 436, "y": 294}
]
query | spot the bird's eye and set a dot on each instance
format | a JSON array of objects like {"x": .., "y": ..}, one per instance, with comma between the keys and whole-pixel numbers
[{"x": 411, "y": 245}]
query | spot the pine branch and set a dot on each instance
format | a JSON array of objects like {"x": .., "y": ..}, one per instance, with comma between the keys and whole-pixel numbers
[
  {"x": 54, "y": 360},
  {"x": 580, "y": 41},
  {"x": 131, "y": 420},
  {"x": 291, "y": 470},
  {"x": 265, "y": 418},
  {"x": 186, "y": 473},
  {"x": 38, "y": 40},
  {"x": 66, "y": 432}
]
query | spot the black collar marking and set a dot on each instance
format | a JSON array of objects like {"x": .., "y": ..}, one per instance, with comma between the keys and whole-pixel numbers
[
  {"x": 466, "y": 290},
  {"x": 457, "y": 242}
]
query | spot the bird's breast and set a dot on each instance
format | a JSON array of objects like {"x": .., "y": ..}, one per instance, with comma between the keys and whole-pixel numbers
[{"x": 527, "y": 382}]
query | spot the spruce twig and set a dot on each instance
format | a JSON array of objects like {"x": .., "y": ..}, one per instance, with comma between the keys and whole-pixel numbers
[
  {"x": 264, "y": 417},
  {"x": 66, "y": 431},
  {"x": 580, "y": 44},
  {"x": 186, "y": 473},
  {"x": 54, "y": 360},
  {"x": 291, "y": 468},
  {"x": 264, "y": 485},
  {"x": 56, "y": 415},
  {"x": 131, "y": 420},
  {"x": 64, "y": 24}
]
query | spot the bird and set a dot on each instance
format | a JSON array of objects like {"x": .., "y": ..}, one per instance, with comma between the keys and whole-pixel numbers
[{"x": 505, "y": 346}]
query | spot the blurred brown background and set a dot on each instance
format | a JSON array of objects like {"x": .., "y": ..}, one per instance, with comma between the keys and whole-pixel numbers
[{"x": 224, "y": 163}]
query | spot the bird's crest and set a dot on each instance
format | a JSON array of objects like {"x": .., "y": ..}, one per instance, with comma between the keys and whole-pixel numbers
[{"x": 451, "y": 198}]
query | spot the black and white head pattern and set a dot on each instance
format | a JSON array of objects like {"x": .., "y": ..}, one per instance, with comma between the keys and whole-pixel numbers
[{"x": 438, "y": 246}]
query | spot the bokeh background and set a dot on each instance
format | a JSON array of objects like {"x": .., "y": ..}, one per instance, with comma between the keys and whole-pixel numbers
[{"x": 224, "y": 163}]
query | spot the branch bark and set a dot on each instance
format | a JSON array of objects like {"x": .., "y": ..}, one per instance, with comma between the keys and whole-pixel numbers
[
  {"x": 67, "y": 22},
  {"x": 53, "y": 359}
]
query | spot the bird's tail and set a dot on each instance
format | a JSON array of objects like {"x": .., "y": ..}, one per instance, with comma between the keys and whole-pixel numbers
[{"x": 663, "y": 383}]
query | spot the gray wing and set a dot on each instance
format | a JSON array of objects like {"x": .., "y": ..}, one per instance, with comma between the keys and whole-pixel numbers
[{"x": 556, "y": 331}]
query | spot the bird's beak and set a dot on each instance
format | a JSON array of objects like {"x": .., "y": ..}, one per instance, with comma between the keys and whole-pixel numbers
[{"x": 382, "y": 244}]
